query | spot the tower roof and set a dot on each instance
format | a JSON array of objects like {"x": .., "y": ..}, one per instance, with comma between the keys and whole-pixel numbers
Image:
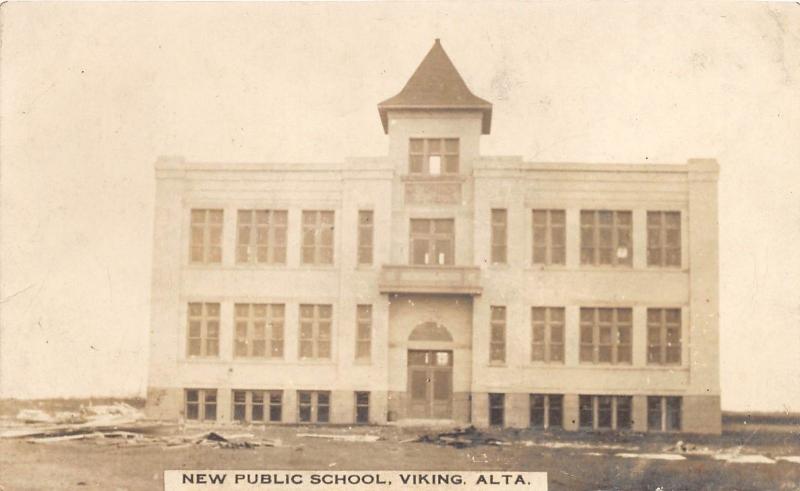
[{"x": 436, "y": 84}]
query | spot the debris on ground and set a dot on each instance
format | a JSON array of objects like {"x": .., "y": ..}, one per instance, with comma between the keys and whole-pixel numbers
[
  {"x": 117, "y": 424},
  {"x": 461, "y": 438},
  {"x": 342, "y": 438}
]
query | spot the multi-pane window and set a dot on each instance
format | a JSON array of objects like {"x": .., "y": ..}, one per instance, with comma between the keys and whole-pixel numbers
[
  {"x": 499, "y": 236},
  {"x": 362, "y": 407},
  {"x": 664, "y": 238},
  {"x": 317, "y": 237},
  {"x": 258, "y": 405},
  {"x": 497, "y": 340},
  {"x": 497, "y": 409},
  {"x": 605, "y": 412},
  {"x": 546, "y": 411},
  {"x": 664, "y": 336},
  {"x": 363, "y": 331},
  {"x": 606, "y": 335},
  {"x": 200, "y": 404},
  {"x": 206, "y": 236},
  {"x": 365, "y": 236},
  {"x": 203, "y": 331},
  {"x": 315, "y": 331},
  {"x": 261, "y": 236},
  {"x": 259, "y": 330},
  {"x": 547, "y": 324},
  {"x": 433, "y": 156},
  {"x": 549, "y": 237},
  {"x": 606, "y": 237},
  {"x": 663, "y": 413},
  {"x": 432, "y": 241},
  {"x": 313, "y": 406}
]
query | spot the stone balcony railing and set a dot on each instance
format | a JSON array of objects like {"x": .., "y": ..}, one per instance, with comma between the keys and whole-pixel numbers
[{"x": 449, "y": 280}]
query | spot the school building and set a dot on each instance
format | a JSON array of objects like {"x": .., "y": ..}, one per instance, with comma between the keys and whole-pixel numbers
[{"x": 437, "y": 283}]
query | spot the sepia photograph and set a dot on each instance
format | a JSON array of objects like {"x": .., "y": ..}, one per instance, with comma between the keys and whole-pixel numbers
[{"x": 389, "y": 246}]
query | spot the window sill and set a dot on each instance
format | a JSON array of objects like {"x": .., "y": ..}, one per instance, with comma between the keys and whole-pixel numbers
[
  {"x": 433, "y": 178},
  {"x": 364, "y": 362}
]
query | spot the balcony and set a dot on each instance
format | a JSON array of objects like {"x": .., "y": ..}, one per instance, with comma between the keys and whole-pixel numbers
[{"x": 448, "y": 280}]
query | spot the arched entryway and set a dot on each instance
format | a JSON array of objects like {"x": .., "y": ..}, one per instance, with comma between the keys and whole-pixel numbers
[{"x": 430, "y": 373}]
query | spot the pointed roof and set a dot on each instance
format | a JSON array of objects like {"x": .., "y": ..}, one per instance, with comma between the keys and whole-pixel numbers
[{"x": 436, "y": 84}]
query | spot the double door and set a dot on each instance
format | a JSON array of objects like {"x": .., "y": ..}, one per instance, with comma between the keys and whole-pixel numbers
[{"x": 430, "y": 384}]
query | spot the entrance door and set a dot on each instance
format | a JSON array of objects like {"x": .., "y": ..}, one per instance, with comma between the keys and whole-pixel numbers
[{"x": 430, "y": 384}]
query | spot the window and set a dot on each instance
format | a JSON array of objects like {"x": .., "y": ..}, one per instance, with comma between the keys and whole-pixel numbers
[
  {"x": 499, "y": 236},
  {"x": 365, "y": 232},
  {"x": 664, "y": 238},
  {"x": 257, "y": 405},
  {"x": 664, "y": 336},
  {"x": 362, "y": 407},
  {"x": 200, "y": 404},
  {"x": 261, "y": 236},
  {"x": 433, "y": 156},
  {"x": 203, "y": 332},
  {"x": 497, "y": 348},
  {"x": 432, "y": 241},
  {"x": 606, "y": 238},
  {"x": 605, "y": 412},
  {"x": 549, "y": 237},
  {"x": 546, "y": 411},
  {"x": 317, "y": 237},
  {"x": 364, "y": 331},
  {"x": 664, "y": 413},
  {"x": 259, "y": 330},
  {"x": 313, "y": 406},
  {"x": 497, "y": 409},
  {"x": 606, "y": 335},
  {"x": 206, "y": 238},
  {"x": 547, "y": 324},
  {"x": 315, "y": 331}
]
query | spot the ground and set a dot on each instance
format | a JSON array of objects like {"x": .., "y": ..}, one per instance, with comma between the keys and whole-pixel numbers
[{"x": 573, "y": 461}]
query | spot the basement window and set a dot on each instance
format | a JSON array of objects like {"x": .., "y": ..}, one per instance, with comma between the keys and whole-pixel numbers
[
  {"x": 362, "y": 407},
  {"x": 497, "y": 409},
  {"x": 200, "y": 404},
  {"x": 313, "y": 406}
]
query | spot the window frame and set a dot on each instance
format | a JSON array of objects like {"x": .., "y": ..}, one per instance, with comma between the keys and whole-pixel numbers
[
  {"x": 206, "y": 321},
  {"x": 314, "y": 406},
  {"x": 211, "y": 235},
  {"x": 658, "y": 247},
  {"x": 317, "y": 340},
  {"x": 497, "y": 409},
  {"x": 359, "y": 417},
  {"x": 660, "y": 328},
  {"x": 267, "y": 404},
  {"x": 618, "y": 405},
  {"x": 616, "y": 326},
  {"x": 660, "y": 406},
  {"x": 548, "y": 326},
  {"x": 425, "y": 153},
  {"x": 274, "y": 325},
  {"x": 497, "y": 334},
  {"x": 616, "y": 231},
  {"x": 274, "y": 232},
  {"x": 499, "y": 235},
  {"x": 363, "y": 325},
  {"x": 366, "y": 238},
  {"x": 312, "y": 240},
  {"x": 551, "y": 404},
  {"x": 551, "y": 228},
  {"x": 203, "y": 403},
  {"x": 432, "y": 239}
]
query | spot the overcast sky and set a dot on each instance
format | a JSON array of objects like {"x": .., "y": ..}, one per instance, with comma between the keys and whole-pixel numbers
[{"x": 92, "y": 94}]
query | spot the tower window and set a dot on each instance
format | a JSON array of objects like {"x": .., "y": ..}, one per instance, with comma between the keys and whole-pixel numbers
[{"x": 433, "y": 156}]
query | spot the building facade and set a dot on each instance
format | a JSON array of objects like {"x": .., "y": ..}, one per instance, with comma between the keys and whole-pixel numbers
[{"x": 437, "y": 283}]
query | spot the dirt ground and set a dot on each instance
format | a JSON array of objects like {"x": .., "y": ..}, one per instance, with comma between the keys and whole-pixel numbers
[{"x": 572, "y": 461}]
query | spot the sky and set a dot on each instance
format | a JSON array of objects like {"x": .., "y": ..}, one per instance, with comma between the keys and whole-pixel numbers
[{"x": 91, "y": 94}]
